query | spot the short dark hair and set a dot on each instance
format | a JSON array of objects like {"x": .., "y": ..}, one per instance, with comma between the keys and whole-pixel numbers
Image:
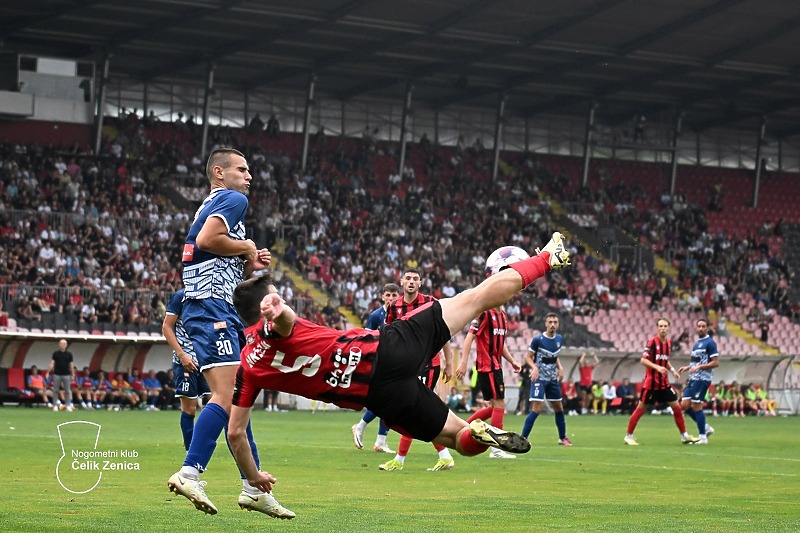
[
  {"x": 247, "y": 297},
  {"x": 553, "y": 315},
  {"x": 703, "y": 320},
  {"x": 220, "y": 157},
  {"x": 392, "y": 287}
]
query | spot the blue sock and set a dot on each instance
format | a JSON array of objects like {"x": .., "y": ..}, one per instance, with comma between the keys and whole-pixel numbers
[
  {"x": 209, "y": 425},
  {"x": 700, "y": 418},
  {"x": 383, "y": 429},
  {"x": 253, "y": 448},
  {"x": 692, "y": 414},
  {"x": 368, "y": 417},
  {"x": 187, "y": 427},
  {"x": 561, "y": 424},
  {"x": 529, "y": 421}
]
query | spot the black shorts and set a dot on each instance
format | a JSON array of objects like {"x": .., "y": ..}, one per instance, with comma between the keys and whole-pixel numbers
[
  {"x": 586, "y": 388},
  {"x": 491, "y": 385},
  {"x": 430, "y": 376},
  {"x": 651, "y": 396},
  {"x": 396, "y": 393}
]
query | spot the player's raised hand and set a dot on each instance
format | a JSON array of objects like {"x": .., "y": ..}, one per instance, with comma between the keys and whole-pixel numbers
[{"x": 261, "y": 260}]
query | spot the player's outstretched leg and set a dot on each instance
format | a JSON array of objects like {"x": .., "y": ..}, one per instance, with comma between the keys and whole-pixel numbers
[
  {"x": 507, "y": 441},
  {"x": 498, "y": 289}
]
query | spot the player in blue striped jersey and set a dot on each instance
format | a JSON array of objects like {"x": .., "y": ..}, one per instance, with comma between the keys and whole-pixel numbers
[
  {"x": 705, "y": 358},
  {"x": 546, "y": 376},
  {"x": 216, "y": 256}
]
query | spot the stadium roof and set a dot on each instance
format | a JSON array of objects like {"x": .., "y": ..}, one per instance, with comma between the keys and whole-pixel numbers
[{"x": 724, "y": 62}]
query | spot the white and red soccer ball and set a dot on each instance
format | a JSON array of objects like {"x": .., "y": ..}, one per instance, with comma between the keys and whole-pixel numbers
[{"x": 501, "y": 258}]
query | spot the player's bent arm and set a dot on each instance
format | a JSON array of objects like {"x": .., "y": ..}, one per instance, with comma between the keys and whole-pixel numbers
[
  {"x": 237, "y": 437},
  {"x": 530, "y": 362},
  {"x": 465, "y": 349},
  {"x": 168, "y": 330},
  {"x": 447, "y": 371},
  {"x": 644, "y": 361},
  {"x": 283, "y": 317},
  {"x": 214, "y": 238}
]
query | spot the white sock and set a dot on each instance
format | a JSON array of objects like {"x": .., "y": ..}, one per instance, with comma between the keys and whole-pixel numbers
[
  {"x": 248, "y": 488},
  {"x": 190, "y": 472},
  {"x": 445, "y": 454},
  {"x": 400, "y": 458},
  {"x": 361, "y": 426},
  {"x": 380, "y": 440}
]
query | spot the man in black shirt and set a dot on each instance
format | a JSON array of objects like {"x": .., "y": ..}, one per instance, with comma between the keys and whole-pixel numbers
[{"x": 62, "y": 368}]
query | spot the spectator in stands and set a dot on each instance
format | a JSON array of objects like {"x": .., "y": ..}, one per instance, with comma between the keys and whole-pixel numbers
[
  {"x": 273, "y": 126},
  {"x": 88, "y": 313},
  {"x": 25, "y": 310},
  {"x": 681, "y": 342},
  {"x": 764, "y": 327},
  {"x": 36, "y": 384},
  {"x": 3, "y": 317},
  {"x": 256, "y": 124}
]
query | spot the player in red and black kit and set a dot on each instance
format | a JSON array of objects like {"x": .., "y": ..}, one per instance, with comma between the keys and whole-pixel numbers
[
  {"x": 429, "y": 375},
  {"x": 490, "y": 330},
  {"x": 657, "y": 387},
  {"x": 364, "y": 368}
]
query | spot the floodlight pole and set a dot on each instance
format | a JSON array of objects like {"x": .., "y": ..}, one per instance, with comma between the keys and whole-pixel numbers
[
  {"x": 206, "y": 105},
  {"x": 404, "y": 128},
  {"x": 312, "y": 80},
  {"x": 587, "y": 144},
  {"x": 498, "y": 132},
  {"x": 762, "y": 130},
  {"x": 673, "y": 173},
  {"x": 101, "y": 104}
]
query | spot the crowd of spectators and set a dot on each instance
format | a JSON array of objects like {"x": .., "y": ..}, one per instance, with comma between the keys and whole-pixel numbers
[{"x": 96, "y": 237}]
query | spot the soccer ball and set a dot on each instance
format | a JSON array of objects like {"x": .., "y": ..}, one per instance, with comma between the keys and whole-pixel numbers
[{"x": 501, "y": 258}]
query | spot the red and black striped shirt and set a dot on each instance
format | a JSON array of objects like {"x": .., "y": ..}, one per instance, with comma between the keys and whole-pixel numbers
[
  {"x": 490, "y": 334},
  {"x": 315, "y": 361},
  {"x": 658, "y": 353}
]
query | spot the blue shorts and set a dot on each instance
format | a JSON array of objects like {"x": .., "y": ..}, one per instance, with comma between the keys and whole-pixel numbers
[
  {"x": 216, "y": 331},
  {"x": 696, "y": 390},
  {"x": 549, "y": 389},
  {"x": 189, "y": 384}
]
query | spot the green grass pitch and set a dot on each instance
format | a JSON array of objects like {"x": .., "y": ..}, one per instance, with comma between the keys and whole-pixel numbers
[{"x": 746, "y": 480}]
